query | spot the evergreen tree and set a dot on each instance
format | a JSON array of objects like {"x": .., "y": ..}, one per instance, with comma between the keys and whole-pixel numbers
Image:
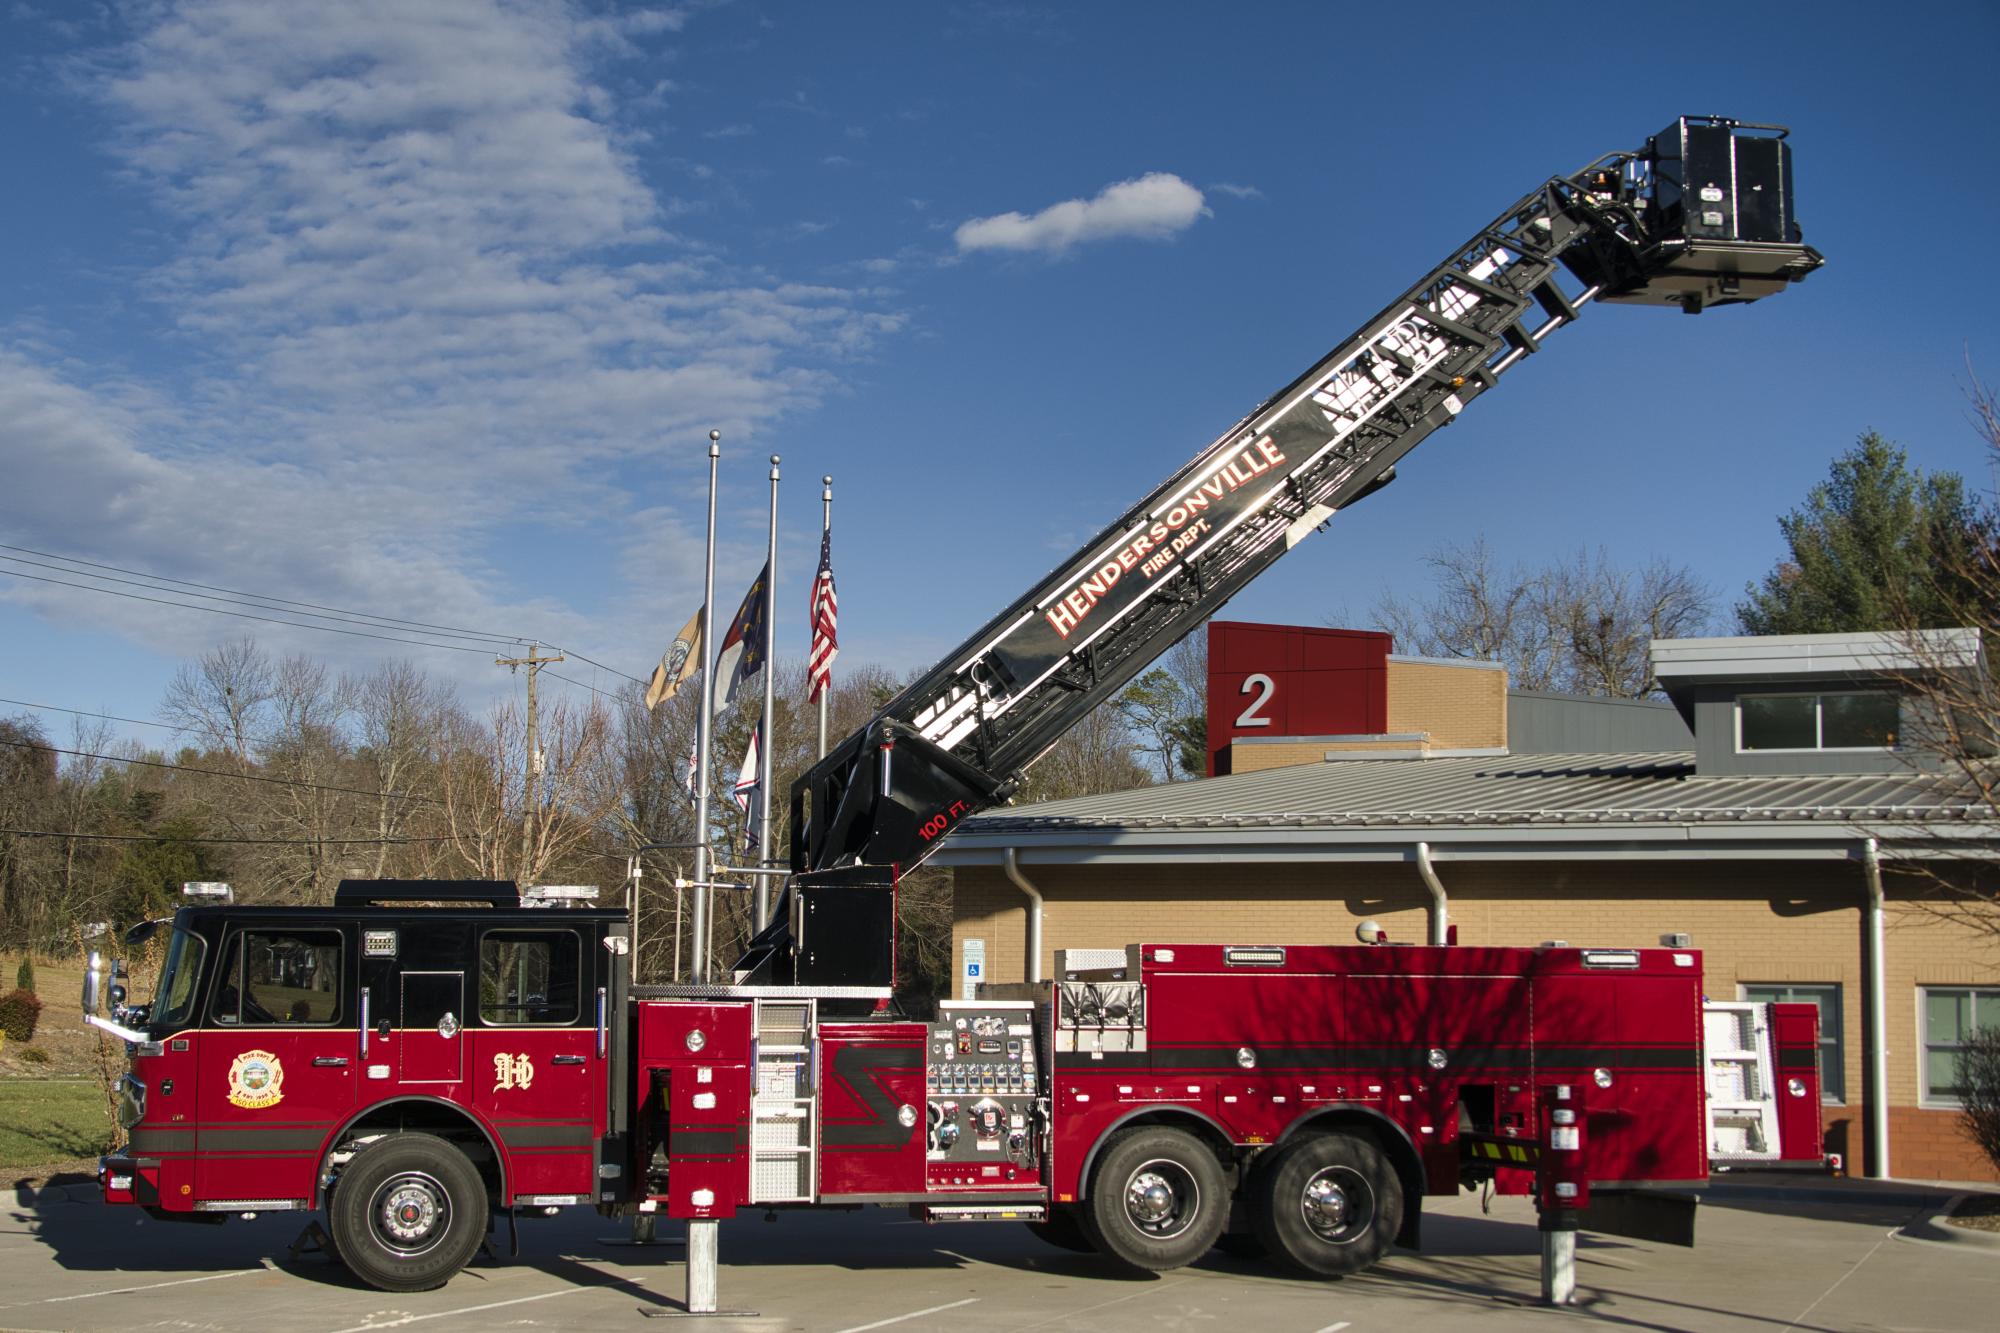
[{"x": 1878, "y": 545}]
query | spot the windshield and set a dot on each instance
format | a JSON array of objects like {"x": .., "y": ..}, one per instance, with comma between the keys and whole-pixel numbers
[{"x": 173, "y": 1003}]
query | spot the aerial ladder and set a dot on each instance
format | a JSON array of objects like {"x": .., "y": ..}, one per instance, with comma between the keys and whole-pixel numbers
[{"x": 1701, "y": 216}]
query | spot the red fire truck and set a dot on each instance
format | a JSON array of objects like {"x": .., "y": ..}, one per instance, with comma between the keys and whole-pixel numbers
[{"x": 421, "y": 1057}]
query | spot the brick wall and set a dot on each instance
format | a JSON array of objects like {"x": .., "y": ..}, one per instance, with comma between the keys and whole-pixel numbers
[
  {"x": 1432, "y": 706},
  {"x": 1462, "y": 707},
  {"x": 1754, "y": 921}
]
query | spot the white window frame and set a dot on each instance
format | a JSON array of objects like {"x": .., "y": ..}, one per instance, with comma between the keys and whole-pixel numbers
[
  {"x": 1819, "y": 723},
  {"x": 1925, "y": 1097},
  {"x": 1832, "y": 1049}
]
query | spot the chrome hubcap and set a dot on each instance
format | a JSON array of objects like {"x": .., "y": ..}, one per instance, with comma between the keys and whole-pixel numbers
[
  {"x": 1337, "y": 1204},
  {"x": 1161, "y": 1199},
  {"x": 411, "y": 1212}
]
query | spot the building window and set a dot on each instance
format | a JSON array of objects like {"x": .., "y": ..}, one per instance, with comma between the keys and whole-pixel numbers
[
  {"x": 1951, "y": 1015},
  {"x": 528, "y": 976},
  {"x": 1854, "y": 721},
  {"x": 1826, "y": 997}
]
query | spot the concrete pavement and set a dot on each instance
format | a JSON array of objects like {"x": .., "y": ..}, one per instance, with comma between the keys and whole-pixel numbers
[{"x": 1772, "y": 1256}]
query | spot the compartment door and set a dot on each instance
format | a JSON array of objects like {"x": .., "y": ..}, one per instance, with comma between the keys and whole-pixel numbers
[{"x": 433, "y": 1027}]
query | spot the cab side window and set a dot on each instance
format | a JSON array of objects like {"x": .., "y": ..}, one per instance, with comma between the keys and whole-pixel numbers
[
  {"x": 281, "y": 978},
  {"x": 529, "y": 977}
]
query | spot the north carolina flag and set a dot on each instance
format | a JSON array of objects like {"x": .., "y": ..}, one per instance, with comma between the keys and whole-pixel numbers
[{"x": 742, "y": 655}]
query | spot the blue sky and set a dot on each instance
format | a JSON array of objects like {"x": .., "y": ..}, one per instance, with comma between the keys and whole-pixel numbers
[{"x": 424, "y": 308}]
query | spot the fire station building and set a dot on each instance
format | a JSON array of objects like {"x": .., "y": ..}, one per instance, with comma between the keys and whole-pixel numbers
[{"x": 1772, "y": 813}]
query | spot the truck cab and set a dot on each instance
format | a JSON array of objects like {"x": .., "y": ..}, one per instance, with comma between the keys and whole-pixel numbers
[{"x": 412, "y": 1059}]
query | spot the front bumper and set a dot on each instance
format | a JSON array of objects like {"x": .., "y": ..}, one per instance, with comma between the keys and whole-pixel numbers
[{"x": 129, "y": 1178}]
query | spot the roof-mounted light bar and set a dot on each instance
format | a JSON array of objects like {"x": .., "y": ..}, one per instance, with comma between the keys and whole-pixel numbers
[
  {"x": 548, "y": 895},
  {"x": 212, "y": 889}
]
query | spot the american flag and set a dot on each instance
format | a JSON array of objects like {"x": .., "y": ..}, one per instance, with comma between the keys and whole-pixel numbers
[{"x": 825, "y": 619}]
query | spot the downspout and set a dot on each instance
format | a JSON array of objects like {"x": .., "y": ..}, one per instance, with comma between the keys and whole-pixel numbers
[
  {"x": 1436, "y": 886},
  {"x": 1877, "y": 1128},
  {"x": 1034, "y": 969}
]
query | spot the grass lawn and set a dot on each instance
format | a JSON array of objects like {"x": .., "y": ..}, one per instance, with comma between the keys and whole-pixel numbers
[{"x": 44, "y": 1121}]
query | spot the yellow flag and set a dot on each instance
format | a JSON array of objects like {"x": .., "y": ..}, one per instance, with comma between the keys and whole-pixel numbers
[{"x": 679, "y": 663}]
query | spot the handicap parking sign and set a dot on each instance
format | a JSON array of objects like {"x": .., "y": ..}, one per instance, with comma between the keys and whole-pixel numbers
[{"x": 972, "y": 969}]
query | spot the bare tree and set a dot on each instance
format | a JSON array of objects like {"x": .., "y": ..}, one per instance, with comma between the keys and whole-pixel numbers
[
  {"x": 1581, "y": 626},
  {"x": 579, "y": 793},
  {"x": 1605, "y": 619},
  {"x": 1094, "y": 756},
  {"x": 221, "y": 697},
  {"x": 400, "y": 714}
]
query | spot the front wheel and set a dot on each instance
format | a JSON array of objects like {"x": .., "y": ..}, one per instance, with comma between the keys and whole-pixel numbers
[
  {"x": 407, "y": 1213},
  {"x": 1330, "y": 1205},
  {"x": 1157, "y": 1199}
]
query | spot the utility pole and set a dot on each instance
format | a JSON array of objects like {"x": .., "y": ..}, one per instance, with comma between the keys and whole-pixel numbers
[{"x": 534, "y": 771}]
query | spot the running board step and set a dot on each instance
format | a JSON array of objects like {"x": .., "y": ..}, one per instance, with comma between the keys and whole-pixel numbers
[{"x": 981, "y": 1212}]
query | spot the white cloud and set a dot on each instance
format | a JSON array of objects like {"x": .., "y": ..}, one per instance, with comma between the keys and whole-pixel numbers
[
  {"x": 1151, "y": 207},
  {"x": 430, "y": 301},
  {"x": 1237, "y": 191}
]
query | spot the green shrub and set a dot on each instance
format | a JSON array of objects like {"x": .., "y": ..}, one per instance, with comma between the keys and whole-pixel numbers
[
  {"x": 25, "y": 977},
  {"x": 34, "y": 1055},
  {"x": 20, "y": 1010},
  {"x": 1979, "y": 1076}
]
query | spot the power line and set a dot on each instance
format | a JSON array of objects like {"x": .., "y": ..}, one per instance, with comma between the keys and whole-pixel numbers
[
  {"x": 455, "y": 631},
  {"x": 244, "y": 615},
  {"x": 571, "y": 680},
  {"x": 594, "y": 662},
  {"x": 265, "y": 602},
  {"x": 219, "y": 773},
  {"x": 359, "y": 618},
  {"x": 108, "y": 717},
  {"x": 234, "y": 842}
]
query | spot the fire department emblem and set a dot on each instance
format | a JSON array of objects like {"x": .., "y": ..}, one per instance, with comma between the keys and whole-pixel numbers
[
  {"x": 512, "y": 1071},
  {"x": 256, "y": 1080}
]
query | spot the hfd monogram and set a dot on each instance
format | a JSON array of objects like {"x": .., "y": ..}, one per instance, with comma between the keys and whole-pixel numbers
[{"x": 512, "y": 1071}]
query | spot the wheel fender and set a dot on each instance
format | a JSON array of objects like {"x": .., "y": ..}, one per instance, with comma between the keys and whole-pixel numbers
[
  {"x": 457, "y": 1112},
  {"x": 1169, "y": 1114},
  {"x": 1396, "y": 1142}
]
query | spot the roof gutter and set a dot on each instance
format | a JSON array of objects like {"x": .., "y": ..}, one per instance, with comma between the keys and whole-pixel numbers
[
  {"x": 1439, "y": 929},
  {"x": 1034, "y": 966},
  {"x": 1876, "y": 1126}
]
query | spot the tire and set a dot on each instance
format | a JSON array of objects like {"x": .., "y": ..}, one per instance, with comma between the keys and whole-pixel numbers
[
  {"x": 1063, "y": 1228},
  {"x": 1329, "y": 1206},
  {"x": 407, "y": 1213},
  {"x": 1157, "y": 1199}
]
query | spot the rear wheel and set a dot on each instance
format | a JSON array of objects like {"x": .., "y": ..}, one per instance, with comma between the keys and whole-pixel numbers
[
  {"x": 1157, "y": 1199},
  {"x": 1330, "y": 1205},
  {"x": 407, "y": 1213}
]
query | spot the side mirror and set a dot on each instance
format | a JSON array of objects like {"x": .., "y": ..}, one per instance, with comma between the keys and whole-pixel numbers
[{"x": 93, "y": 984}]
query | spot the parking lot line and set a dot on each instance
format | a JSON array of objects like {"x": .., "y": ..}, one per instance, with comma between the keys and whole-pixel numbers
[
  {"x": 1068, "y": 1315},
  {"x": 151, "y": 1286},
  {"x": 914, "y": 1314},
  {"x": 1335, "y": 1328},
  {"x": 472, "y": 1309}
]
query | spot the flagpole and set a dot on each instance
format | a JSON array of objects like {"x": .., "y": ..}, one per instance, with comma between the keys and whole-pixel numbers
[
  {"x": 825, "y": 526},
  {"x": 699, "y": 947},
  {"x": 761, "y": 895}
]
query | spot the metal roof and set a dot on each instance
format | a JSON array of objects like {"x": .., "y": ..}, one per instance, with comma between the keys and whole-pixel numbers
[{"x": 1545, "y": 797}]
